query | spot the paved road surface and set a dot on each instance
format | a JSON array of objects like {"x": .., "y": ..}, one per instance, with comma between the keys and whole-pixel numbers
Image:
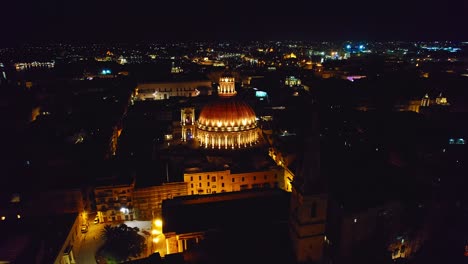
[{"x": 92, "y": 240}]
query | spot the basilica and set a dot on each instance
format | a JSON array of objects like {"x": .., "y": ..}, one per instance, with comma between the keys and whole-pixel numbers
[{"x": 226, "y": 123}]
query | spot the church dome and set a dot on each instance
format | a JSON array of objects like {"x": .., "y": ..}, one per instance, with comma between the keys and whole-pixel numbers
[
  {"x": 227, "y": 115},
  {"x": 227, "y": 122}
]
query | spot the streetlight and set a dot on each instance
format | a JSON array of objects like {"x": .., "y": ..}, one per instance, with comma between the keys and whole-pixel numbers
[{"x": 158, "y": 223}]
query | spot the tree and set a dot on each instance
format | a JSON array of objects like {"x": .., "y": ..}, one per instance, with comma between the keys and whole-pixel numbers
[{"x": 122, "y": 243}]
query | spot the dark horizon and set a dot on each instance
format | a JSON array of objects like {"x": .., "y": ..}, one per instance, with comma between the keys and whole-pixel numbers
[{"x": 118, "y": 21}]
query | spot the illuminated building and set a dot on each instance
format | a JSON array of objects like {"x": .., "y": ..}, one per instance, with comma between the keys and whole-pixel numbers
[
  {"x": 120, "y": 200},
  {"x": 20, "y": 66},
  {"x": 227, "y": 122},
  {"x": 175, "y": 69},
  {"x": 292, "y": 81},
  {"x": 209, "y": 182},
  {"x": 187, "y": 121},
  {"x": 426, "y": 101},
  {"x": 166, "y": 90},
  {"x": 114, "y": 201},
  {"x": 441, "y": 100}
]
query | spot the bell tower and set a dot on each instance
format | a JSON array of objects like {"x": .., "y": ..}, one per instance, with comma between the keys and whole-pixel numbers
[
  {"x": 187, "y": 121},
  {"x": 309, "y": 199}
]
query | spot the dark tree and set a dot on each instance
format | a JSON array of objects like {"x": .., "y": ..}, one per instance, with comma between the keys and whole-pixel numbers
[{"x": 122, "y": 243}]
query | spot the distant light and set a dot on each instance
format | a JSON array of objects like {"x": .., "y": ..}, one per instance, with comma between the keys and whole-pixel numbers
[
  {"x": 18, "y": 216},
  {"x": 3, "y": 217},
  {"x": 155, "y": 240},
  {"x": 361, "y": 46},
  {"x": 348, "y": 46},
  {"x": 155, "y": 232},
  {"x": 355, "y": 220},
  {"x": 124, "y": 210},
  {"x": 260, "y": 94}
]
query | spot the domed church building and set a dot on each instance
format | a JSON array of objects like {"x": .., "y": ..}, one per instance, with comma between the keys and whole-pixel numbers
[{"x": 227, "y": 123}]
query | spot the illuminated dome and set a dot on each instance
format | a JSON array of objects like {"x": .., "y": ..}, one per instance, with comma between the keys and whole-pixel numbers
[{"x": 228, "y": 122}]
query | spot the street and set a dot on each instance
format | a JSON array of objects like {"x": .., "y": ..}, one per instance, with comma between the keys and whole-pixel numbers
[{"x": 91, "y": 241}]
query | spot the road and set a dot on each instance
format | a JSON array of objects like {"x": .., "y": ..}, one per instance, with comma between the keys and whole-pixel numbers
[
  {"x": 90, "y": 243},
  {"x": 92, "y": 240}
]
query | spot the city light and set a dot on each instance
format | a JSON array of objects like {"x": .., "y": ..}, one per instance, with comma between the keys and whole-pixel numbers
[{"x": 158, "y": 223}]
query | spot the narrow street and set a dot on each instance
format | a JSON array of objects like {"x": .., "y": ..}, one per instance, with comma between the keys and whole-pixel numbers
[{"x": 91, "y": 241}]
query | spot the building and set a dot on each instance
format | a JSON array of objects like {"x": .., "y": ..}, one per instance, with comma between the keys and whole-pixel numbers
[
  {"x": 166, "y": 90},
  {"x": 227, "y": 122},
  {"x": 114, "y": 200},
  {"x": 50, "y": 239},
  {"x": 235, "y": 216},
  {"x": 292, "y": 81},
  {"x": 210, "y": 182},
  {"x": 309, "y": 201},
  {"x": 148, "y": 200}
]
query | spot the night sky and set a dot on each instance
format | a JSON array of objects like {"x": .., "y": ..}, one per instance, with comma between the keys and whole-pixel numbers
[{"x": 136, "y": 20}]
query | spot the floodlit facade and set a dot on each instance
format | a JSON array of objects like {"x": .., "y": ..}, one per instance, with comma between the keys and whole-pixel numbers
[
  {"x": 227, "y": 123},
  {"x": 114, "y": 202},
  {"x": 210, "y": 182},
  {"x": 166, "y": 90}
]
